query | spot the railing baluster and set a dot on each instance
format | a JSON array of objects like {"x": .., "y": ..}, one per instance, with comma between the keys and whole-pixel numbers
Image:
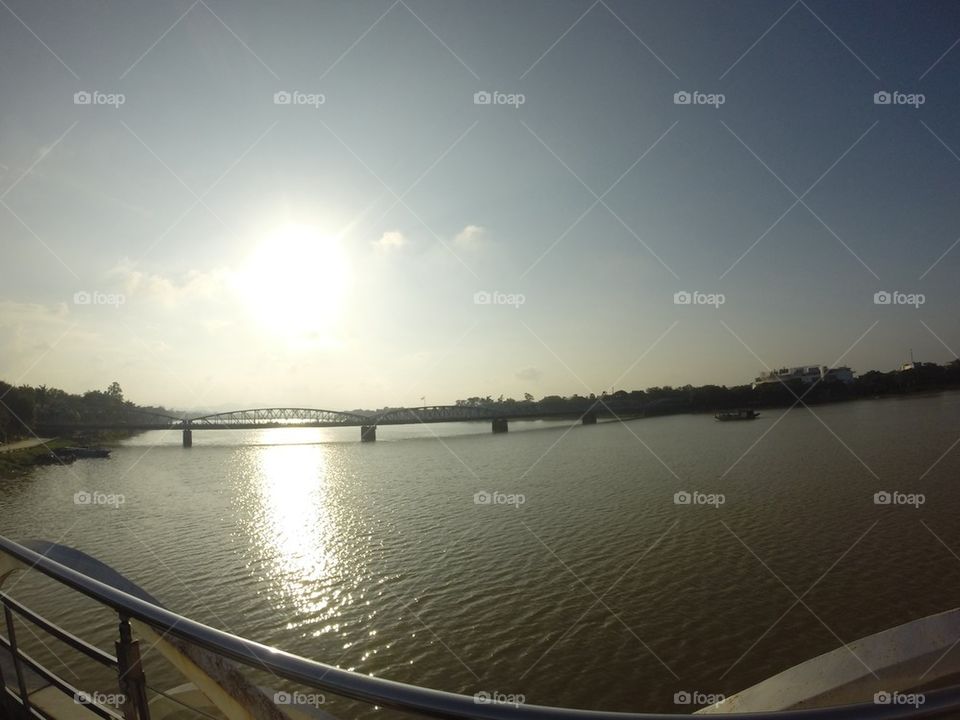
[
  {"x": 3, "y": 687},
  {"x": 15, "y": 653},
  {"x": 133, "y": 684}
]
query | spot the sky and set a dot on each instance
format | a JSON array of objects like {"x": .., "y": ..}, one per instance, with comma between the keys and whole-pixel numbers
[{"x": 359, "y": 204}]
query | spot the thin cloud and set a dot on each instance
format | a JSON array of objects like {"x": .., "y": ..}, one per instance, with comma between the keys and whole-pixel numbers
[
  {"x": 470, "y": 237},
  {"x": 530, "y": 374},
  {"x": 390, "y": 241}
]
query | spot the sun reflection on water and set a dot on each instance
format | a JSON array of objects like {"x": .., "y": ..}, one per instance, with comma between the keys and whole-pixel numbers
[
  {"x": 312, "y": 546},
  {"x": 297, "y": 525}
]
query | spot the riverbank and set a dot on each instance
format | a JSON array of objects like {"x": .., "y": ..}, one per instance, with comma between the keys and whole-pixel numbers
[
  {"x": 18, "y": 460},
  {"x": 21, "y": 460}
]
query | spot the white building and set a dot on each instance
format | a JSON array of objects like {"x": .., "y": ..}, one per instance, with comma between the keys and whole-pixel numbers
[{"x": 807, "y": 374}]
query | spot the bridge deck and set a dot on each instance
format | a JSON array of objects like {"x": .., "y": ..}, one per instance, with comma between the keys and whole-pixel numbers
[{"x": 268, "y": 418}]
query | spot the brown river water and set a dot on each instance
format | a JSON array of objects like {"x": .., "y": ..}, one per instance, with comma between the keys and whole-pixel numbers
[{"x": 582, "y": 583}]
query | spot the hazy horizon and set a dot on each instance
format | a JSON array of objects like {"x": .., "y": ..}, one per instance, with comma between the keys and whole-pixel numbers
[{"x": 224, "y": 205}]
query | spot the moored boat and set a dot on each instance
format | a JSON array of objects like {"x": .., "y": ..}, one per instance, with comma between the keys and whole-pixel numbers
[
  {"x": 86, "y": 452},
  {"x": 742, "y": 414}
]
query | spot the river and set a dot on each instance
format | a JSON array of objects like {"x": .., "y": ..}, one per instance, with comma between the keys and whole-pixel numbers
[{"x": 582, "y": 582}]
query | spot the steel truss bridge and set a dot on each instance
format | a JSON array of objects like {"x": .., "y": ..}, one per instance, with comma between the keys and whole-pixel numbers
[{"x": 263, "y": 418}]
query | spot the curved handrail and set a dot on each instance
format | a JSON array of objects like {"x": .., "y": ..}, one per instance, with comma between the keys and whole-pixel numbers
[{"x": 400, "y": 696}]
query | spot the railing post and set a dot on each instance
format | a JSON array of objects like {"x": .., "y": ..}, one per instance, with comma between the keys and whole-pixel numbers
[
  {"x": 17, "y": 665},
  {"x": 133, "y": 684}
]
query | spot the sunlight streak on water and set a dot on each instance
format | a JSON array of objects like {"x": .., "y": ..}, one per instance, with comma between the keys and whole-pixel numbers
[
  {"x": 292, "y": 523},
  {"x": 297, "y": 527}
]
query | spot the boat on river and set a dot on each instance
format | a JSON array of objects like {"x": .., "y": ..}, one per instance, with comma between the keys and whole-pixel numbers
[
  {"x": 67, "y": 455},
  {"x": 742, "y": 414},
  {"x": 86, "y": 452}
]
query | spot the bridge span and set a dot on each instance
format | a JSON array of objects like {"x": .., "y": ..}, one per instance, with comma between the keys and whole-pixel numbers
[{"x": 263, "y": 418}]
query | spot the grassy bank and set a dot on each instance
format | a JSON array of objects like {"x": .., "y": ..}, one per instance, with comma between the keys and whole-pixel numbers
[
  {"x": 17, "y": 463},
  {"x": 20, "y": 462}
]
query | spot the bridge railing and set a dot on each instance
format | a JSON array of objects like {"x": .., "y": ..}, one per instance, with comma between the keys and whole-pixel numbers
[
  {"x": 278, "y": 416},
  {"x": 302, "y": 671}
]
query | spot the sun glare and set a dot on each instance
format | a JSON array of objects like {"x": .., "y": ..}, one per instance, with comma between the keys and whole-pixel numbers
[{"x": 295, "y": 282}]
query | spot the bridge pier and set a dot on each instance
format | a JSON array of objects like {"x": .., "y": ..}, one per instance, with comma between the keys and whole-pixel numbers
[
  {"x": 499, "y": 425},
  {"x": 590, "y": 417},
  {"x": 368, "y": 433},
  {"x": 188, "y": 438}
]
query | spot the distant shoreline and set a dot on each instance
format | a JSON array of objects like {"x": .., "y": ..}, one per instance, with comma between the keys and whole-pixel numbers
[{"x": 22, "y": 461}]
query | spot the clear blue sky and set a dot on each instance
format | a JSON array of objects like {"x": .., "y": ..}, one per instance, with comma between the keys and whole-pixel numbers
[{"x": 329, "y": 254}]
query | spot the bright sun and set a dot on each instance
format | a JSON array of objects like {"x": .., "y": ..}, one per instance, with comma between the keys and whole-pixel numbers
[{"x": 295, "y": 282}]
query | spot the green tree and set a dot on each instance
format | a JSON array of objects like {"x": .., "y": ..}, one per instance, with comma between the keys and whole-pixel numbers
[{"x": 114, "y": 392}]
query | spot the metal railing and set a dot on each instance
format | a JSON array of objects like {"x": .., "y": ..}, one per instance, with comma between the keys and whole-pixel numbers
[
  {"x": 22, "y": 662},
  {"x": 309, "y": 673}
]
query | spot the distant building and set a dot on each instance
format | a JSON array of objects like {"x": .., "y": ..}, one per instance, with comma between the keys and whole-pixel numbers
[
  {"x": 915, "y": 365},
  {"x": 841, "y": 374},
  {"x": 912, "y": 365},
  {"x": 807, "y": 374}
]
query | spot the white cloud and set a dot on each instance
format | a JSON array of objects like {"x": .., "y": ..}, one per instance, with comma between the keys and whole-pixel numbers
[
  {"x": 470, "y": 237},
  {"x": 391, "y": 240},
  {"x": 192, "y": 287},
  {"x": 530, "y": 374}
]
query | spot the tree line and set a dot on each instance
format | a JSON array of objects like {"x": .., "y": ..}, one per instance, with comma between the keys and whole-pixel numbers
[
  {"x": 923, "y": 377},
  {"x": 24, "y": 410}
]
